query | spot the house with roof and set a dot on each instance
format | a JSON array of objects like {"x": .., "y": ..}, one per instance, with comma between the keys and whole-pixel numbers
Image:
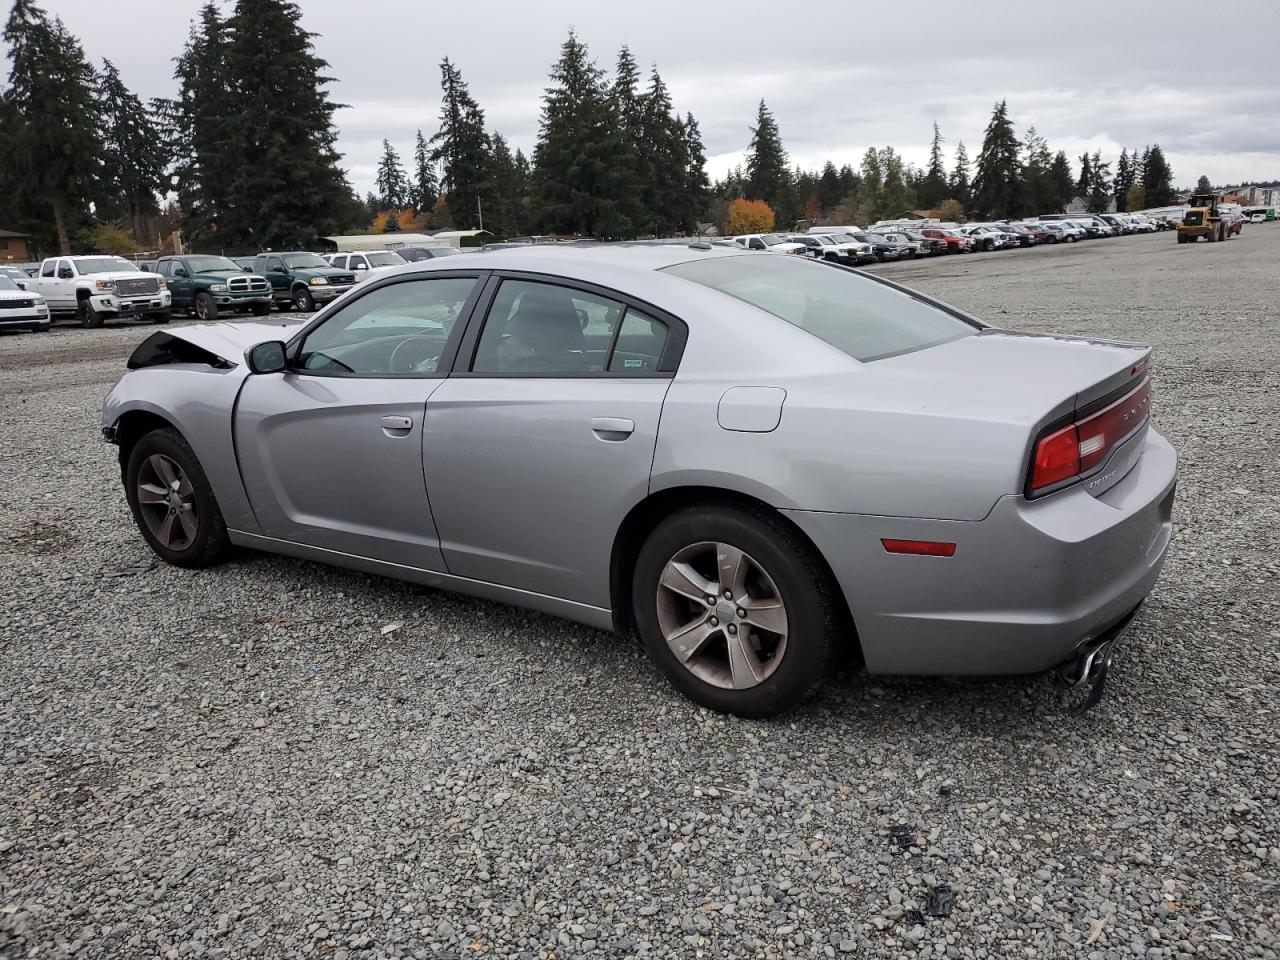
[{"x": 15, "y": 246}]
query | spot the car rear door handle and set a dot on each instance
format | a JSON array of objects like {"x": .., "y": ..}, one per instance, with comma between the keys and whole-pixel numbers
[
  {"x": 396, "y": 426},
  {"x": 613, "y": 429}
]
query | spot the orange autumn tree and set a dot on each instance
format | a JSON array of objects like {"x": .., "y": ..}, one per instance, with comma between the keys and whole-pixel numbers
[
  {"x": 409, "y": 223},
  {"x": 748, "y": 216}
]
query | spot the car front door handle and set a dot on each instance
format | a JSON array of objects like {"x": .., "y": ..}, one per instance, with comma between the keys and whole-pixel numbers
[
  {"x": 613, "y": 429},
  {"x": 396, "y": 426}
]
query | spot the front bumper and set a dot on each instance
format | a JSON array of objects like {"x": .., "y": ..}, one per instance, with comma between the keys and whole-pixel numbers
[
  {"x": 241, "y": 299},
  {"x": 1028, "y": 585},
  {"x": 24, "y": 319},
  {"x": 151, "y": 303},
  {"x": 328, "y": 292}
]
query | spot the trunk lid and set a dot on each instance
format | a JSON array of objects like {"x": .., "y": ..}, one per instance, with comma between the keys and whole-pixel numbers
[{"x": 1032, "y": 381}]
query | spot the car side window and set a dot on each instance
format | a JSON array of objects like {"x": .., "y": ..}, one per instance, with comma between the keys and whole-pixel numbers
[
  {"x": 399, "y": 328},
  {"x": 275, "y": 265},
  {"x": 49, "y": 268},
  {"x": 639, "y": 345},
  {"x": 164, "y": 267},
  {"x": 355, "y": 263},
  {"x": 547, "y": 329},
  {"x": 755, "y": 243}
]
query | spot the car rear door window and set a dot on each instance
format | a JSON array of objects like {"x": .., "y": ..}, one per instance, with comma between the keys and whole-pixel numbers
[
  {"x": 639, "y": 346},
  {"x": 546, "y": 329}
]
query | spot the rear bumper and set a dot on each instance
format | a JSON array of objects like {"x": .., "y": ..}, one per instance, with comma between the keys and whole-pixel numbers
[{"x": 1028, "y": 585}]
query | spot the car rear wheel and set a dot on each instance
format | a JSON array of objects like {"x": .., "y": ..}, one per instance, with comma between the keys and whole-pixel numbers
[
  {"x": 206, "y": 309},
  {"x": 173, "y": 503},
  {"x": 303, "y": 301},
  {"x": 735, "y": 609}
]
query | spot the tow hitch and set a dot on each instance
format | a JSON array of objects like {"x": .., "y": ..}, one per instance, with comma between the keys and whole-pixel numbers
[{"x": 1088, "y": 666}]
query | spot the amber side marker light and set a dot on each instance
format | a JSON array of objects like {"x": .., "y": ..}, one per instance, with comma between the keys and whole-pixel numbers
[{"x": 919, "y": 548}]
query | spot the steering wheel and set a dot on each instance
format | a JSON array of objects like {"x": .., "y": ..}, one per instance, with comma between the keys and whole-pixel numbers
[{"x": 411, "y": 364}]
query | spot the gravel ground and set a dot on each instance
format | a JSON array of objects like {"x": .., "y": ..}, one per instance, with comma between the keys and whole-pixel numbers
[{"x": 244, "y": 762}]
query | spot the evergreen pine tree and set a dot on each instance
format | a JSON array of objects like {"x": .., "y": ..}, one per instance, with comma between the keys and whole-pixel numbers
[
  {"x": 1038, "y": 194},
  {"x": 636, "y": 171},
  {"x": 960, "y": 176},
  {"x": 933, "y": 188},
  {"x": 135, "y": 157},
  {"x": 1100, "y": 186},
  {"x": 425, "y": 187},
  {"x": 697, "y": 188},
  {"x": 1203, "y": 185},
  {"x": 1157, "y": 178},
  {"x": 1062, "y": 186},
  {"x": 767, "y": 174},
  {"x": 577, "y": 162},
  {"x": 461, "y": 147},
  {"x": 54, "y": 152},
  {"x": 285, "y": 187},
  {"x": 393, "y": 222},
  {"x": 997, "y": 186},
  {"x": 830, "y": 189},
  {"x": 504, "y": 215},
  {"x": 1085, "y": 183},
  {"x": 391, "y": 180},
  {"x": 1125, "y": 178},
  {"x": 664, "y": 132},
  {"x": 199, "y": 125}
]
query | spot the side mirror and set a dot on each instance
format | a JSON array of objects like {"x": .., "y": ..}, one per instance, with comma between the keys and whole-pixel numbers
[
  {"x": 266, "y": 357},
  {"x": 362, "y": 266},
  {"x": 179, "y": 271},
  {"x": 65, "y": 274}
]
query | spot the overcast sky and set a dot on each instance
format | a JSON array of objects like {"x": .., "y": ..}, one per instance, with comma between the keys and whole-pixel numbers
[{"x": 838, "y": 77}]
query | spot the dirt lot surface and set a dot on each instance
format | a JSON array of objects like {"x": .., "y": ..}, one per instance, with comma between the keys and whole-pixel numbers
[{"x": 240, "y": 762}]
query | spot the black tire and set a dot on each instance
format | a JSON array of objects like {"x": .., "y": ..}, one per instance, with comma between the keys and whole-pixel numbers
[
  {"x": 88, "y": 316},
  {"x": 261, "y": 309},
  {"x": 303, "y": 301},
  {"x": 42, "y": 328},
  {"x": 164, "y": 316},
  {"x": 210, "y": 544},
  {"x": 806, "y": 588},
  {"x": 205, "y": 307}
]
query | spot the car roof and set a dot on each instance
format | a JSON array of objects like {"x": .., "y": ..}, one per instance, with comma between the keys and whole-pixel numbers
[{"x": 640, "y": 257}]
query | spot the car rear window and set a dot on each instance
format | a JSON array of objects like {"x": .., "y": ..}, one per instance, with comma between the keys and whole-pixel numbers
[{"x": 860, "y": 316}]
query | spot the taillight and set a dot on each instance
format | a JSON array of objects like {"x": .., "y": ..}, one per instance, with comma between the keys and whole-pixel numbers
[{"x": 1069, "y": 453}]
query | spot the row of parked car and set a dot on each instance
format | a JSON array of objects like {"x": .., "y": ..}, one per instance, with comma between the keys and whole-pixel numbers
[{"x": 909, "y": 239}]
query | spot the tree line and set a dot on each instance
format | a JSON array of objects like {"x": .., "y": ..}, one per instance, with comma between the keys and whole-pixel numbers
[
  {"x": 244, "y": 157},
  {"x": 1009, "y": 178}
]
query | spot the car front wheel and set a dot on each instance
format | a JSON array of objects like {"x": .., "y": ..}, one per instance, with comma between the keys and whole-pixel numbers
[
  {"x": 173, "y": 503},
  {"x": 303, "y": 301},
  {"x": 735, "y": 609},
  {"x": 206, "y": 307}
]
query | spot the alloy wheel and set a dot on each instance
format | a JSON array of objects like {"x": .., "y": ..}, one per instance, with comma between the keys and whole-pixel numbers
[
  {"x": 166, "y": 500},
  {"x": 722, "y": 615}
]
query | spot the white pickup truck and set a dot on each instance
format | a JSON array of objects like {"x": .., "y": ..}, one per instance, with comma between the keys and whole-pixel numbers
[{"x": 99, "y": 288}]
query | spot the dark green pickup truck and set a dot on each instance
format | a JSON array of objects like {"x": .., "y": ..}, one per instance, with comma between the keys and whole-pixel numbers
[
  {"x": 302, "y": 281},
  {"x": 206, "y": 285}
]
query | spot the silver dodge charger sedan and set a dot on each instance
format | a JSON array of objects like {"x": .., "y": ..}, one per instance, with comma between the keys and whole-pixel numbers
[{"x": 745, "y": 459}]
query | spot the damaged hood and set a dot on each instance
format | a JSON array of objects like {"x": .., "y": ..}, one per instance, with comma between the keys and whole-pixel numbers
[{"x": 229, "y": 341}]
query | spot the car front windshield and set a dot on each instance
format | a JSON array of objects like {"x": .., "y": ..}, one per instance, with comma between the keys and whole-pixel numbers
[
  {"x": 769, "y": 239},
  {"x": 877, "y": 238},
  {"x": 825, "y": 241},
  {"x": 843, "y": 238},
  {"x": 88, "y": 265},
  {"x": 298, "y": 260},
  {"x": 7, "y": 284},
  {"x": 859, "y": 316},
  {"x": 211, "y": 264},
  {"x": 385, "y": 259}
]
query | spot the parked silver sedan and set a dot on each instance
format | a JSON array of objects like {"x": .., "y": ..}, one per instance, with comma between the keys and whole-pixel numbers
[{"x": 747, "y": 460}]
